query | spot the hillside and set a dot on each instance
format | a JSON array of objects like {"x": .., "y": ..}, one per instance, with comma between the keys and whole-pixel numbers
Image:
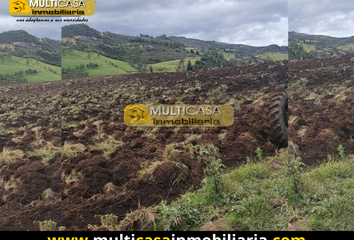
[
  {"x": 81, "y": 64},
  {"x": 22, "y": 44},
  {"x": 240, "y": 49},
  {"x": 305, "y": 46},
  {"x": 26, "y": 58},
  {"x": 17, "y": 69},
  {"x": 144, "y": 51}
]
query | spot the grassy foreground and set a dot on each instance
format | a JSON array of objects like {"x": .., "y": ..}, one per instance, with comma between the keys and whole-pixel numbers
[{"x": 278, "y": 193}]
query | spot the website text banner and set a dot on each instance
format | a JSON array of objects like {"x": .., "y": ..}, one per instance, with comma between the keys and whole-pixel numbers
[{"x": 188, "y": 235}]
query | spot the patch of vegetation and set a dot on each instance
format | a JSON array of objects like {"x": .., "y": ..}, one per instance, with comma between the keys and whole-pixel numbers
[
  {"x": 79, "y": 64},
  {"x": 9, "y": 156},
  {"x": 141, "y": 219},
  {"x": 16, "y": 70},
  {"x": 148, "y": 171},
  {"x": 348, "y": 48},
  {"x": 108, "y": 147},
  {"x": 47, "y": 153},
  {"x": 172, "y": 66},
  {"x": 70, "y": 150},
  {"x": 250, "y": 200},
  {"x": 263, "y": 196},
  {"x": 213, "y": 59},
  {"x": 48, "y": 225},
  {"x": 273, "y": 56}
]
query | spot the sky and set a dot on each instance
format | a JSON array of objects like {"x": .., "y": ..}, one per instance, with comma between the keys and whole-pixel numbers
[
  {"x": 322, "y": 17},
  {"x": 251, "y": 22}
]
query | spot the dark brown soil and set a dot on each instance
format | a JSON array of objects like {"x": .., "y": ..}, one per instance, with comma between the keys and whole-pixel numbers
[
  {"x": 29, "y": 190},
  {"x": 321, "y": 109}
]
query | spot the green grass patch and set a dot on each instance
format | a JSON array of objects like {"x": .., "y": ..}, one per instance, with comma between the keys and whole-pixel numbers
[
  {"x": 253, "y": 199},
  {"x": 308, "y": 48},
  {"x": 108, "y": 147},
  {"x": 191, "y": 48},
  {"x": 228, "y": 56},
  {"x": 347, "y": 48},
  {"x": 107, "y": 66},
  {"x": 256, "y": 197},
  {"x": 12, "y": 64},
  {"x": 326, "y": 202},
  {"x": 273, "y": 56},
  {"x": 172, "y": 66}
]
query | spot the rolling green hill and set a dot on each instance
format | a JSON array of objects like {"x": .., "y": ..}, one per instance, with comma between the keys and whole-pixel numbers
[
  {"x": 26, "y": 58},
  {"x": 12, "y": 65},
  {"x": 163, "y": 53},
  {"x": 321, "y": 40},
  {"x": 92, "y": 64},
  {"x": 22, "y": 44}
]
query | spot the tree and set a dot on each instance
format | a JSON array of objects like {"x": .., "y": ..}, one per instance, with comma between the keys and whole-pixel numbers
[
  {"x": 151, "y": 70},
  {"x": 189, "y": 66}
]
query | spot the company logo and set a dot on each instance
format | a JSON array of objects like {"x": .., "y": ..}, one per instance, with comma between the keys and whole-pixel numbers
[
  {"x": 52, "y": 8},
  {"x": 179, "y": 115},
  {"x": 136, "y": 114},
  {"x": 19, "y": 7}
]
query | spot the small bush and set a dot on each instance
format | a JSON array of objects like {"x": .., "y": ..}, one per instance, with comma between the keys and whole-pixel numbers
[
  {"x": 92, "y": 65},
  {"x": 341, "y": 153},
  {"x": 295, "y": 184},
  {"x": 259, "y": 154}
]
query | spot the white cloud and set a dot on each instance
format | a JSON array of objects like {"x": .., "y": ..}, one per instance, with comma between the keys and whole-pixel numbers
[
  {"x": 253, "y": 22},
  {"x": 325, "y": 17}
]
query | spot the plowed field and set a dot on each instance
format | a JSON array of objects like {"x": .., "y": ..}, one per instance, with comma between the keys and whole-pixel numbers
[
  {"x": 70, "y": 158},
  {"x": 321, "y": 105}
]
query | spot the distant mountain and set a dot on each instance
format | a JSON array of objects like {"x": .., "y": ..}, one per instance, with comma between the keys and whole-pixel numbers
[
  {"x": 22, "y": 44},
  {"x": 144, "y": 50},
  {"x": 239, "y": 48},
  {"x": 322, "y": 40},
  {"x": 303, "y": 45}
]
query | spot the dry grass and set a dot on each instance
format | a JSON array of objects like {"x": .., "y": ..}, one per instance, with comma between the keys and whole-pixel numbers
[
  {"x": 9, "y": 156},
  {"x": 70, "y": 150},
  {"x": 148, "y": 172},
  {"x": 142, "y": 219}
]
